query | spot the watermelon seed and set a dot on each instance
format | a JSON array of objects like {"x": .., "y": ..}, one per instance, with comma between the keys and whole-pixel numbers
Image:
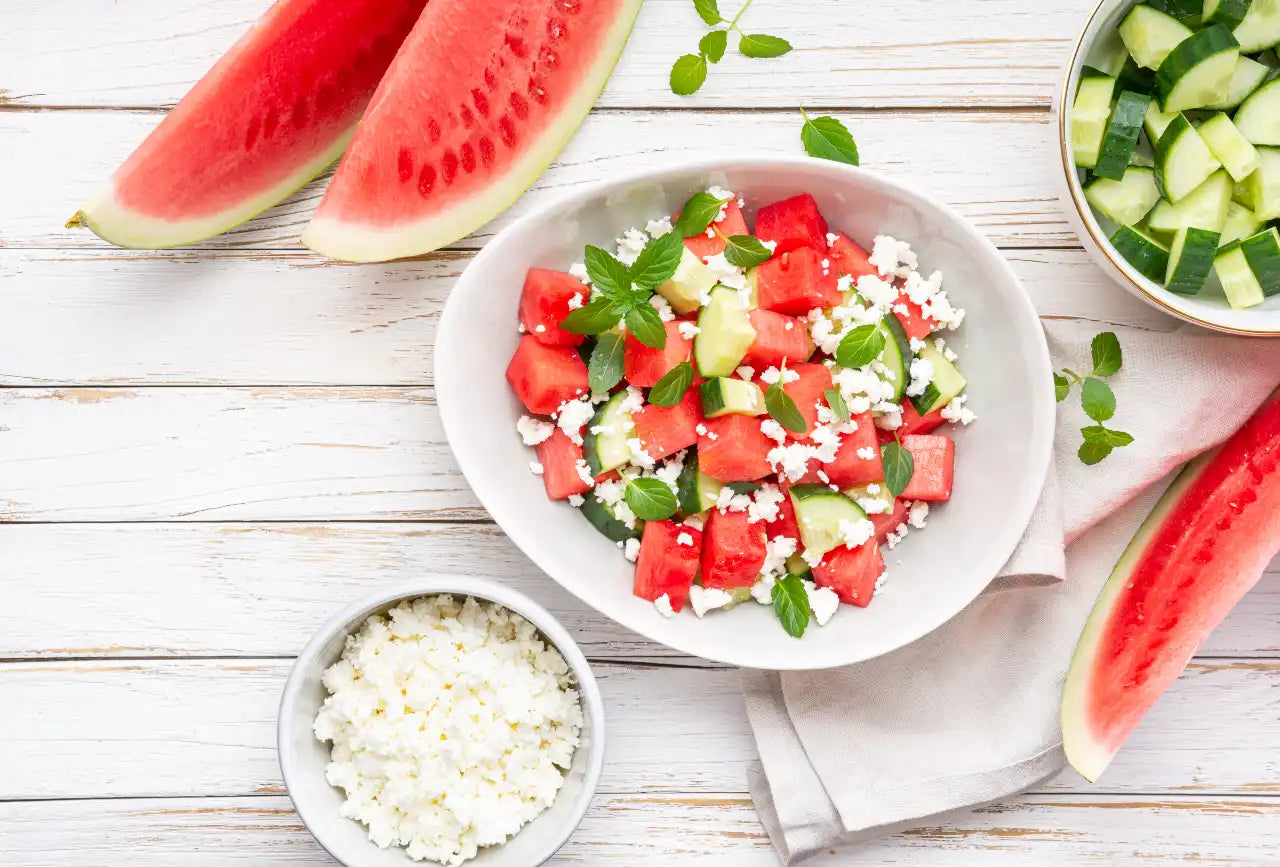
[
  {"x": 507, "y": 130},
  {"x": 251, "y": 135},
  {"x": 516, "y": 44},
  {"x": 426, "y": 180},
  {"x": 486, "y": 149},
  {"x": 519, "y": 107},
  {"x": 467, "y": 117},
  {"x": 269, "y": 124},
  {"x": 449, "y": 166},
  {"x": 468, "y": 158},
  {"x": 556, "y": 29},
  {"x": 572, "y": 7},
  {"x": 550, "y": 59},
  {"x": 481, "y": 101},
  {"x": 433, "y": 130},
  {"x": 406, "y": 164},
  {"x": 490, "y": 80},
  {"x": 537, "y": 92}
]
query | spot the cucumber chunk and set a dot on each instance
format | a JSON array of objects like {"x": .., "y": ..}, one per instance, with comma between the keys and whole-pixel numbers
[
  {"x": 1089, "y": 116},
  {"x": 1121, "y": 137},
  {"x": 1248, "y": 77},
  {"x": 1237, "y": 155},
  {"x": 695, "y": 491},
  {"x": 1143, "y": 252},
  {"x": 1205, "y": 207},
  {"x": 896, "y": 355},
  {"x": 1262, "y": 251},
  {"x": 689, "y": 284},
  {"x": 820, "y": 512},
  {"x": 1198, "y": 71},
  {"x": 1149, "y": 35},
  {"x": 602, "y": 517},
  {"x": 1190, "y": 260},
  {"x": 797, "y": 566},
  {"x": 1156, "y": 121},
  {"x": 1135, "y": 78},
  {"x": 1226, "y": 12},
  {"x": 725, "y": 333},
  {"x": 1183, "y": 160},
  {"x": 947, "y": 382},
  {"x": 1186, "y": 11},
  {"x": 722, "y": 395},
  {"x": 1263, "y": 186},
  {"x": 1259, "y": 116},
  {"x": 1126, "y": 201},
  {"x": 1249, "y": 270},
  {"x": 1260, "y": 28},
  {"x": 1241, "y": 223},
  {"x": 608, "y": 450}
]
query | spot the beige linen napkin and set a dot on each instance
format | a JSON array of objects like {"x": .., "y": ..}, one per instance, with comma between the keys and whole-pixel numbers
[{"x": 969, "y": 714}]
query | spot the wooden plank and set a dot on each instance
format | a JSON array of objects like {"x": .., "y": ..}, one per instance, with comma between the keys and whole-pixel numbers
[
  {"x": 655, "y": 831},
  {"x": 144, "y": 590},
  {"x": 996, "y": 52},
  {"x": 80, "y": 317},
  {"x": 47, "y": 171},
  {"x": 207, "y": 727}
]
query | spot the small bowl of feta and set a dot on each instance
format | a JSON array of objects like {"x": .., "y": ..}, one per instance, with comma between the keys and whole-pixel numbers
[{"x": 443, "y": 720}]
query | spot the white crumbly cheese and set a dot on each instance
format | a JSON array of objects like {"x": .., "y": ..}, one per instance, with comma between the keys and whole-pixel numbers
[
  {"x": 897, "y": 535},
  {"x": 884, "y": 255},
  {"x": 631, "y": 549},
  {"x": 854, "y": 533},
  {"x": 572, "y": 416},
  {"x": 684, "y": 539},
  {"x": 532, "y": 430},
  {"x": 718, "y": 192},
  {"x": 773, "y": 375},
  {"x": 956, "y": 410},
  {"x": 832, "y": 237},
  {"x": 539, "y": 329},
  {"x": 520, "y": 327},
  {"x": 874, "y": 505},
  {"x": 639, "y": 456},
  {"x": 688, "y": 330},
  {"x": 584, "y": 472},
  {"x": 663, "y": 306},
  {"x": 790, "y": 460},
  {"x": 576, "y": 500},
  {"x": 659, "y": 227},
  {"x": 762, "y": 590},
  {"x": 773, "y": 431},
  {"x": 921, "y": 376},
  {"x": 777, "y": 550},
  {"x": 535, "y": 468},
  {"x": 823, "y": 602},
  {"x": 731, "y": 275},
  {"x": 917, "y": 514},
  {"x": 663, "y": 604},
  {"x": 771, "y": 246},
  {"x": 701, "y": 429},
  {"x": 623, "y": 513},
  {"x": 745, "y": 372},
  {"x": 630, "y": 245},
  {"x": 451, "y": 722},
  {"x": 764, "y": 505},
  {"x": 704, "y": 599},
  {"x": 579, "y": 272},
  {"x": 576, "y": 301},
  {"x": 867, "y": 453}
]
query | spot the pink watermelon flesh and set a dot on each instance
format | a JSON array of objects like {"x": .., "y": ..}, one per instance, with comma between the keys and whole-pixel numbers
[
  {"x": 1204, "y": 545},
  {"x": 272, "y": 114},
  {"x": 478, "y": 102}
]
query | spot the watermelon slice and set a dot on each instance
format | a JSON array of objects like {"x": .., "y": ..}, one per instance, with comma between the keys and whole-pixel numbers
[
  {"x": 850, "y": 469},
  {"x": 849, "y": 257},
  {"x": 1203, "y": 546},
  {"x": 795, "y": 282},
  {"x": 935, "y": 464},
  {"x": 544, "y": 303},
  {"x": 665, "y": 430},
  {"x": 780, "y": 339},
  {"x": 734, "y": 449},
  {"x": 272, "y": 114},
  {"x": 666, "y": 567},
  {"x": 793, "y": 223},
  {"x": 480, "y": 99},
  {"x": 543, "y": 376},
  {"x": 732, "y": 224},
  {"x": 559, "y": 458},
  {"x": 733, "y": 550},
  {"x": 643, "y": 365},
  {"x": 851, "y": 572}
]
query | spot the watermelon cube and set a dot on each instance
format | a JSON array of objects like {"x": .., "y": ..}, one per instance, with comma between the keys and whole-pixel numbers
[
  {"x": 785, "y": 524},
  {"x": 733, "y": 449},
  {"x": 665, "y": 430},
  {"x": 847, "y": 257},
  {"x": 732, "y": 224},
  {"x": 795, "y": 283},
  {"x": 666, "y": 567},
  {"x": 793, "y": 223},
  {"x": 913, "y": 423},
  {"x": 779, "y": 338},
  {"x": 914, "y": 323},
  {"x": 643, "y": 365},
  {"x": 543, "y": 376},
  {"x": 935, "y": 459},
  {"x": 850, "y": 468},
  {"x": 886, "y": 522},
  {"x": 851, "y": 572},
  {"x": 544, "y": 303},
  {"x": 559, "y": 457},
  {"x": 733, "y": 550},
  {"x": 807, "y": 392}
]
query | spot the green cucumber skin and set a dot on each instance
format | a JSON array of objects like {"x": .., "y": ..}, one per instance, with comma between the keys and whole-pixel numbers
[
  {"x": 1260, "y": 28},
  {"x": 1186, "y": 57},
  {"x": 1136, "y": 79},
  {"x": 1121, "y": 137},
  {"x": 1165, "y": 150},
  {"x": 712, "y": 394},
  {"x": 1138, "y": 184},
  {"x": 1228, "y": 13},
  {"x": 1186, "y": 11},
  {"x": 1191, "y": 264},
  {"x": 687, "y": 486},
  {"x": 1262, "y": 252},
  {"x": 1258, "y": 117},
  {"x": 610, "y": 527},
  {"x": 1145, "y": 254},
  {"x": 902, "y": 347}
]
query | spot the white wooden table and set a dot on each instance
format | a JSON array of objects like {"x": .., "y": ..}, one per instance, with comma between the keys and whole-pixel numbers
[{"x": 204, "y": 452}]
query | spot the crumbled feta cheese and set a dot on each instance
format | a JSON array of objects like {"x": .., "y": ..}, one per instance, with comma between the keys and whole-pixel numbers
[
  {"x": 790, "y": 460},
  {"x": 854, "y": 533},
  {"x": 711, "y": 231},
  {"x": 878, "y": 293},
  {"x": 532, "y": 430},
  {"x": 762, "y": 590},
  {"x": 814, "y": 560},
  {"x": 572, "y": 416},
  {"x": 941, "y": 345},
  {"x": 535, "y": 468},
  {"x": 788, "y": 325},
  {"x": 897, "y": 535},
  {"x": 884, "y": 255},
  {"x": 630, "y": 245},
  {"x": 704, "y": 599},
  {"x": 684, "y": 539},
  {"x": 917, "y": 514},
  {"x": 823, "y": 477},
  {"x": 639, "y": 456},
  {"x": 579, "y": 271},
  {"x": 867, "y": 453},
  {"x": 823, "y": 601},
  {"x": 663, "y": 604},
  {"x": 921, "y": 376},
  {"x": 452, "y": 725},
  {"x": 623, "y": 513},
  {"x": 576, "y": 500},
  {"x": 521, "y": 329},
  {"x": 584, "y": 472},
  {"x": 610, "y": 492},
  {"x": 764, "y": 505},
  {"x": 659, "y": 227},
  {"x": 632, "y": 402},
  {"x": 688, "y": 330},
  {"x": 663, "y": 306},
  {"x": 939, "y": 309},
  {"x": 576, "y": 300},
  {"x": 916, "y": 344},
  {"x": 539, "y": 329},
  {"x": 832, "y": 237},
  {"x": 874, "y": 505},
  {"x": 631, "y": 549},
  {"x": 773, "y": 375},
  {"x": 826, "y": 263},
  {"x": 777, "y": 550},
  {"x": 730, "y": 275},
  {"x": 701, "y": 430},
  {"x": 956, "y": 410},
  {"x": 771, "y": 246},
  {"x": 873, "y": 488},
  {"x": 891, "y": 419},
  {"x": 694, "y": 521},
  {"x": 745, "y": 372}
]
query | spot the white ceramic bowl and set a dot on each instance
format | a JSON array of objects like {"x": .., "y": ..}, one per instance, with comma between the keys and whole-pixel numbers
[
  {"x": 1097, "y": 41},
  {"x": 303, "y": 757},
  {"x": 1002, "y": 458}
]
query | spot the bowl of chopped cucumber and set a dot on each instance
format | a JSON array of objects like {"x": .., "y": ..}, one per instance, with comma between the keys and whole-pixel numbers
[{"x": 1169, "y": 126}]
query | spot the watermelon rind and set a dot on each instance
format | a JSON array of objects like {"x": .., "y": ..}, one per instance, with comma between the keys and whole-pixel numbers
[
  {"x": 1085, "y": 752},
  {"x": 357, "y": 242}
]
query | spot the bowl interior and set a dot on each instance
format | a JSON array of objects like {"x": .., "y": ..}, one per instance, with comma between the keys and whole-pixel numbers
[
  {"x": 1002, "y": 458},
  {"x": 303, "y": 758},
  {"x": 1099, "y": 46}
]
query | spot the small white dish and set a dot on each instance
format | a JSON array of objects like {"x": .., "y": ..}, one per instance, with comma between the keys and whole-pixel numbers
[
  {"x": 303, "y": 757},
  {"x": 1097, "y": 41},
  {"x": 1002, "y": 459}
]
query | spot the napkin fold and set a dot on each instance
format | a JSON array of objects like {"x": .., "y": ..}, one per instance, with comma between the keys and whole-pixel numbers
[{"x": 969, "y": 714}]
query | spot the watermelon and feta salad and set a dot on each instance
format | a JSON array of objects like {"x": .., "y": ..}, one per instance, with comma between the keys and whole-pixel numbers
[{"x": 747, "y": 413}]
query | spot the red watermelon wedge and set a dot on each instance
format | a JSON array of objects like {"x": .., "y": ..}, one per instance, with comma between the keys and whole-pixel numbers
[
  {"x": 1200, "y": 550},
  {"x": 272, "y": 114},
  {"x": 478, "y": 102}
]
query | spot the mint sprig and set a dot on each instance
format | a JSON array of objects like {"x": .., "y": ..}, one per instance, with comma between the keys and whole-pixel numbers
[
  {"x": 690, "y": 70},
  {"x": 650, "y": 499},
  {"x": 860, "y": 346},
  {"x": 899, "y": 466},
  {"x": 744, "y": 251},
  {"x": 791, "y": 604},
  {"x": 671, "y": 388},
  {"x": 1096, "y": 398},
  {"x": 827, "y": 138},
  {"x": 604, "y": 370},
  {"x": 782, "y": 408},
  {"x": 697, "y": 214},
  {"x": 623, "y": 293}
]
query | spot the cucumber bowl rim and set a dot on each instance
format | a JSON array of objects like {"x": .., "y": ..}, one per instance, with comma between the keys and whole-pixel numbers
[
  {"x": 1215, "y": 314},
  {"x": 999, "y": 472}
]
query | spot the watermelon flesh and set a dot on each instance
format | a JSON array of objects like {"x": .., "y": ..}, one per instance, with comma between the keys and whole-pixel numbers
[
  {"x": 543, "y": 376},
  {"x": 480, "y": 99},
  {"x": 665, "y": 567},
  {"x": 545, "y": 302},
  {"x": 272, "y": 114},
  {"x": 1202, "y": 548}
]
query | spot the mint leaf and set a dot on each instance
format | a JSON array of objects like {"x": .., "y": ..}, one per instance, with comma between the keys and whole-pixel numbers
[
  {"x": 1098, "y": 400},
  {"x": 697, "y": 214},
  {"x": 650, "y": 499},
  {"x": 712, "y": 45},
  {"x": 688, "y": 73},
  {"x": 597, "y": 315},
  {"x": 1106, "y": 354},
  {"x": 670, "y": 389},
  {"x": 609, "y": 276},
  {"x": 782, "y": 409},
  {"x": 860, "y": 346},
  {"x": 745, "y": 251},
  {"x": 791, "y": 604},
  {"x": 762, "y": 45},
  {"x": 1061, "y": 387},
  {"x": 604, "y": 370},
  {"x": 1093, "y": 452},
  {"x": 899, "y": 466},
  {"x": 828, "y": 139},
  {"x": 645, "y": 323},
  {"x": 1105, "y": 436},
  {"x": 835, "y": 400},
  {"x": 658, "y": 260},
  {"x": 708, "y": 11}
]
